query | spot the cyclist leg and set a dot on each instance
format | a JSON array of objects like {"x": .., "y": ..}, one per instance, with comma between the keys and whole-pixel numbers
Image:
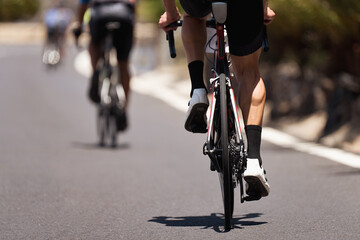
[
  {"x": 97, "y": 33},
  {"x": 125, "y": 77},
  {"x": 252, "y": 89},
  {"x": 61, "y": 43},
  {"x": 252, "y": 96},
  {"x": 95, "y": 52},
  {"x": 245, "y": 33},
  {"x": 51, "y": 34},
  {"x": 123, "y": 41},
  {"x": 62, "y": 37},
  {"x": 194, "y": 39}
]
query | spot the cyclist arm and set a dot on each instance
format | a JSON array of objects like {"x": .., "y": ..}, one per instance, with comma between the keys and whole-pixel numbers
[
  {"x": 269, "y": 14},
  {"x": 77, "y": 28},
  {"x": 83, "y": 6},
  {"x": 171, "y": 15}
]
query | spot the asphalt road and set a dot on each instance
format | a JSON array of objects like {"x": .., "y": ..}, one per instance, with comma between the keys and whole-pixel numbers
[{"x": 55, "y": 183}]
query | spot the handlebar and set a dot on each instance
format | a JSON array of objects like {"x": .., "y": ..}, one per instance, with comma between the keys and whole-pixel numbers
[
  {"x": 77, "y": 32},
  {"x": 170, "y": 38}
]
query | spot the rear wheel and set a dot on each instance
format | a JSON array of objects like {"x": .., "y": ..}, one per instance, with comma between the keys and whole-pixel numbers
[
  {"x": 226, "y": 174},
  {"x": 113, "y": 131},
  {"x": 101, "y": 127}
]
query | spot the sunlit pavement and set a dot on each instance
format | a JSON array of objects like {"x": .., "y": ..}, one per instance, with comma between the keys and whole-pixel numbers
[{"x": 56, "y": 183}]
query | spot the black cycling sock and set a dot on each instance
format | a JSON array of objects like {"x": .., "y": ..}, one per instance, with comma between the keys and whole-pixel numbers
[
  {"x": 94, "y": 94},
  {"x": 196, "y": 69},
  {"x": 253, "y": 133},
  {"x": 95, "y": 76}
]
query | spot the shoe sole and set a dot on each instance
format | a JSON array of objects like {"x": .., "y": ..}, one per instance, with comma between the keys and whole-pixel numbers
[
  {"x": 195, "y": 121},
  {"x": 257, "y": 185}
]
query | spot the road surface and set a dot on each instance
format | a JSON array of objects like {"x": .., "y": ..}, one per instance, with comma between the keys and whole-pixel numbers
[{"x": 56, "y": 183}]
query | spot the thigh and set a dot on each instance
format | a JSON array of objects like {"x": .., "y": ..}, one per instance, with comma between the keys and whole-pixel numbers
[
  {"x": 246, "y": 64},
  {"x": 123, "y": 40},
  {"x": 97, "y": 26},
  {"x": 245, "y": 26}
]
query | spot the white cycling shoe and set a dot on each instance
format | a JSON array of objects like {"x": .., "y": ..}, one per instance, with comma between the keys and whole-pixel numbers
[
  {"x": 195, "y": 118},
  {"x": 254, "y": 175}
]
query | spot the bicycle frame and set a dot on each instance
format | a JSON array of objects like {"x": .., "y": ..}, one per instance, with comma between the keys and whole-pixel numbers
[
  {"x": 222, "y": 68},
  {"x": 222, "y": 71}
]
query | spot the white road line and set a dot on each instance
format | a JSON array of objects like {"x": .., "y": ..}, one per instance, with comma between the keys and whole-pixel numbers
[
  {"x": 164, "y": 86},
  {"x": 284, "y": 140},
  {"x": 82, "y": 63}
]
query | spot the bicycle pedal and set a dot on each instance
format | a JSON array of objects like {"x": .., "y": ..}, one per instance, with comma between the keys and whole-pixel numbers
[
  {"x": 198, "y": 129},
  {"x": 250, "y": 198}
]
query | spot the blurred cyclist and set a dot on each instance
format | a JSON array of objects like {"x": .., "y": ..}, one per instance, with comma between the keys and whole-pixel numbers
[
  {"x": 102, "y": 12},
  {"x": 245, "y": 28},
  {"x": 57, "y": 20}
]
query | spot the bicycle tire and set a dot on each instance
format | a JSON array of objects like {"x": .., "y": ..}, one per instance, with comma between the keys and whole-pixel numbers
[
  {"x": 226, "y": 174},
  {"x": 101, "y": 127},
  {"x": 112, "y": 131}
]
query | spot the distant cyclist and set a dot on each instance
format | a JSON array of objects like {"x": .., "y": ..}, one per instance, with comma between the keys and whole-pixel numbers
[
  {"x": 102, "y": 12},
  {"x": 245, "y": 28},
  {"x": 57, "y": 20}
]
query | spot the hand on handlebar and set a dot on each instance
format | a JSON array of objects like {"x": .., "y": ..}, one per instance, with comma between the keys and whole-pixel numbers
[
  {"x": 77, "y": 31},
  {"x": 166, "y": 19},
  {"x": 269, "y": 16},
  {"x": 169, "y": 29}
]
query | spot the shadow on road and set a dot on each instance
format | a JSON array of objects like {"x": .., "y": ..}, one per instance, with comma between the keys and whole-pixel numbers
[
  {"x": 90, "y": 146},
  {"x": 214, "y": 221}
]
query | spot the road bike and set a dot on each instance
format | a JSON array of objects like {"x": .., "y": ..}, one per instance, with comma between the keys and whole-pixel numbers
[
  {"x": 51, "y": 55},
  {"x": 226, "y": 142},
  {"x": 111, "y": 116}
]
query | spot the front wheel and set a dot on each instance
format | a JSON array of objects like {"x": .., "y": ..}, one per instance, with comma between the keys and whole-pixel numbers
[{"x": 226, "y": 174}]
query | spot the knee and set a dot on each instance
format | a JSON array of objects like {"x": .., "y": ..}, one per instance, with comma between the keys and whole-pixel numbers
[
  {"x": 193, "y": 28},
  {"x": 248, "y": 77}
]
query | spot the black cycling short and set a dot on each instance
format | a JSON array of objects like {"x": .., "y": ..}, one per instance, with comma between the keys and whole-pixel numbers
[
  {"x": 244, "y": 23},
  {"x": 101, "y": 14}
]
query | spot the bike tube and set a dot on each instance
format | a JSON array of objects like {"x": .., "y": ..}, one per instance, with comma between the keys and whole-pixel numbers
[{"x": 211, "y": 117}]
